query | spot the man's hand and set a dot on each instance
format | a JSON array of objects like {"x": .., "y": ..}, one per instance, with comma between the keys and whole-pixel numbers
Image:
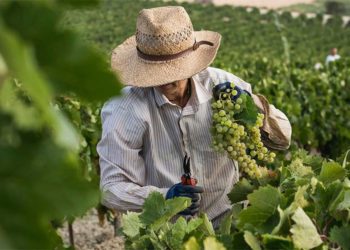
[
  {"x": 193, "y": 192},
  {"x": 227, "y": 88}
]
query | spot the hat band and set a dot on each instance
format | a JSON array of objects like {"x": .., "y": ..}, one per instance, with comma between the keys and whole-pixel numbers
[{"x": 173, "y": 56}]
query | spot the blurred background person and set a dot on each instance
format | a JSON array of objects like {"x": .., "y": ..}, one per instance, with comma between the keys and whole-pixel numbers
[{"x": 333, "y": 56}]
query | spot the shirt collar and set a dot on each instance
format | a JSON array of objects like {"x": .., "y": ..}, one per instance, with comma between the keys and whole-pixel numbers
[{"x": 199, "y": 95}]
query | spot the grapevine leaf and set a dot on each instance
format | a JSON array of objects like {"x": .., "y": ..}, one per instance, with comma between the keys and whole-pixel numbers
[
  {"x": 299, "y": 201},
  {"x": 131, "y": 224},
  {"x": 43, "y": 166},
  {"x": 3, "y": 70},
  {"x": 191, "y": 244},
  {"x": 249, "y": 113},
  {"x": 340, "y": 235},
  {"x": 340, "y": 206},
  {"x": 225, "y": 226},
  {"x": 315, "y": 161},
  {"x": 239, "y": 242},
  {"x": 157, "y": 244},
  {"x": 264, "y": 203},
  {"x": 207, "y": 226},
  {"x": 251, "y": 240},
  {"x": 299, "y": 170},
  {"x": 144, "y": 242},
  {"x": 331, "y": 171},
  {"x": 240, "y": 191},
  {"x": 20, "y": 60},
  {"x": 304, "y": 233},
  {"x": 277, "y": 242},
  {"x": 211, "y": 243},
  {"x": 25, "y": 116},
  {"x": 157, "y": 210},
  {"x": 65, "y": 65},
  {"x": 345, "y": 157},
  {"x": 193, "y": 224},
  {"x": 345, "y": 204},
  {"x": 177, "y": 233}
]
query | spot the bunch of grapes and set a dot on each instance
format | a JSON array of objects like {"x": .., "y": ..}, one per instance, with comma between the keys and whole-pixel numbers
[{"x": 241, "y": 141}]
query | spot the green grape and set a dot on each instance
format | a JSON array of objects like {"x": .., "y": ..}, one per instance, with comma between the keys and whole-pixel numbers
[
  {"x": 219, "y": 129},
  {"x": 234, "y": 137},
  {"x": 222, "y": 113},
  {"x": 228, "y": 123}
]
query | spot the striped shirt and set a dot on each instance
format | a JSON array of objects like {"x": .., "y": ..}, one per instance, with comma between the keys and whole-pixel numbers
[{"x": 145, "y": 137}]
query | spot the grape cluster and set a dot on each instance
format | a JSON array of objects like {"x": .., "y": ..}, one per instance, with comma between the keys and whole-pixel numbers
[{"x": 241, "y": 141}]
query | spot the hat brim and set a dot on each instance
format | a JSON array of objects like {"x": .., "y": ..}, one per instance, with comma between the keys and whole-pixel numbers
[{"x": 135, "y": 71}]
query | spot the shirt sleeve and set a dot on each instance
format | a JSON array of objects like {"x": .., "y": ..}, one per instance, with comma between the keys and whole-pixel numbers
[
  {"x": 122, "y": 165},
  {"x": 276, "y": 131}
]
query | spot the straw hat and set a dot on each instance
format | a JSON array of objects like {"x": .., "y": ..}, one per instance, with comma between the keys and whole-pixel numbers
[{"x": 164, "y": 49}]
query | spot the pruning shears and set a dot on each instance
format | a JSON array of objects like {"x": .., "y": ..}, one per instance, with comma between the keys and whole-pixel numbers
[{"x": 186, "y": 178}]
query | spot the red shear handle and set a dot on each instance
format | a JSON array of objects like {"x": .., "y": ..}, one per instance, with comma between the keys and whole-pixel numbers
[{"x": 188, "y": 180}]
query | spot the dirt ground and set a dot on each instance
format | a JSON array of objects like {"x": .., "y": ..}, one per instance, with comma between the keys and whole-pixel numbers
[{"x": 88, "y": 234}]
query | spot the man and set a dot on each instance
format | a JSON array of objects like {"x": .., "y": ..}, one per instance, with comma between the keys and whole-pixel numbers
[
  {"x": 333, "y": 56},
  {"x": 166, "y": 115}
]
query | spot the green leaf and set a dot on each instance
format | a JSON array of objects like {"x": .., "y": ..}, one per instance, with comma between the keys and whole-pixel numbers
[
  {"x": 299, "y": 201},
  {"x": 226, "y": 223},
  {"x": 211, "y": 243},
  {"x": 264, "y": 203},
  {"x": 144, "y": 242},
  {"x": 331, "y": 171},
  {"x": 20, "y": 60},
  {"x": 345, "y": 204},
  {"x": 239, "y": 242},
  {"x": 251, "y": 240},
  {"x": 249, "y": 113},
  {"x": 240, "y": 191},
  {"x": 340, "y": 235},
  {"x": 156, "y": 243},
  {"x": 324, "y": 197},
  {"x": 25, "y": 116},
  {"x": 207, "y": 226},
  {"x": 75, "y": 58},
  {"x": 339, "y": 208},
  {"x": 43, "y": 166},
  {"x": 177, "y": 233},
  {"x": 157, "y": 210},
  {"x": 191, "y": 244},
  {"x": 193, "y": 224},
  {"x": 277, "y": 242},
  {"x": 3, "y": 70},
  {"x": 131, "y": 224},
  {"x": 299, "y": 170},
  {"x": 304, "y": 233},
  {"x": 345, "y": 157}
]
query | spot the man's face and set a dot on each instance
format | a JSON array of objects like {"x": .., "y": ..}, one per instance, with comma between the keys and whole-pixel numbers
[
  {"x": 334, "y": 51},
  {"x": 173, "y": 90}
]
